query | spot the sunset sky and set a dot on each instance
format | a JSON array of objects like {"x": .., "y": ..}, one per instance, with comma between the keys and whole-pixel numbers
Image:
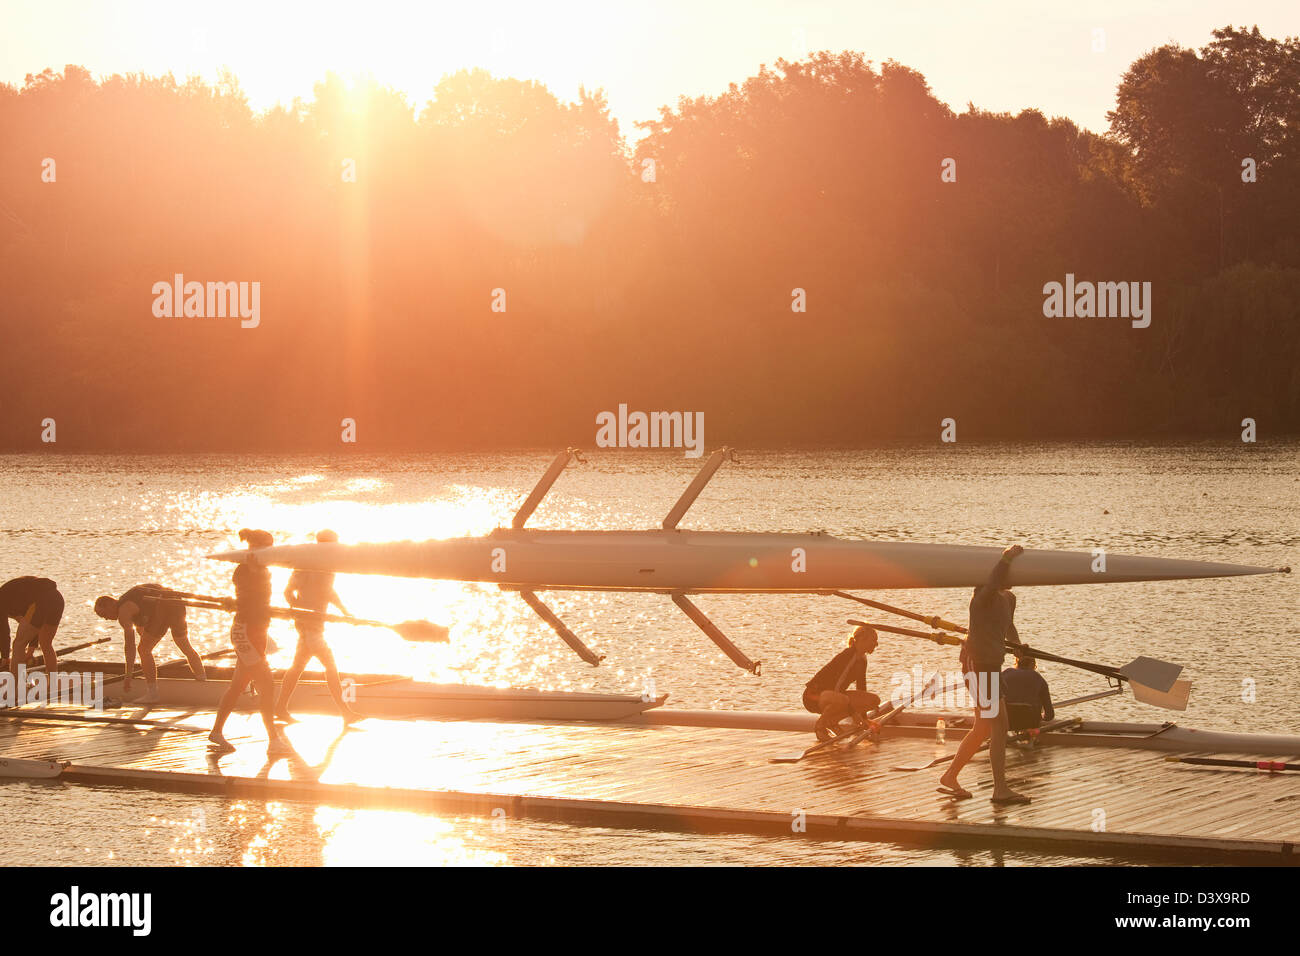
[{"x": 1001, "y": 56}]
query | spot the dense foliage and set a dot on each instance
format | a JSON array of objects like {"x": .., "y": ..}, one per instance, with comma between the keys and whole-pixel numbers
[{"x": 664, "y": 291}]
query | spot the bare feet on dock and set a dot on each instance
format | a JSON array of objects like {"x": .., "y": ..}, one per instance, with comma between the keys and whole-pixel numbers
[
  {"x": 285, "y": 717},
  {"x": 219, "y": 744},
  {"x": 279, "y": 746},
  {"x": 1009, "y": 797}
]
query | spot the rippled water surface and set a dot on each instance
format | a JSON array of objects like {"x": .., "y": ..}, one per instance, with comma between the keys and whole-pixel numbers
[{"x": 100, "y": 524}]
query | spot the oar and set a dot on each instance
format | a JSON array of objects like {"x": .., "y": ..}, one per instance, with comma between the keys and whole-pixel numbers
[
  {"x": 933, "y": 620},
  {"x": 1153, "y": 681},
  {"x": 211, "y": 655},
  {"x": 1269, "y": 765},
  {"x": 853, "y": 736},
  {"x": 422, "y": 631},
  {"x": 64, "y": 651},
  {"x": 937, "y": 636},
  {"x": 873, "y": 727},
  {"x": 15, "y": 714}
]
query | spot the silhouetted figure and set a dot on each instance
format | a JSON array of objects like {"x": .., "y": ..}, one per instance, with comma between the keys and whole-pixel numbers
[
  {"x": 827, "y": 694},
  {"x": 37, "y": 606},
  {"x": 1026, "y": 695},
  {"x": 313, "y": 590},
  {"x": 141, "y": 611},
  {"x": 248, "y": 635},
  {"x": 992, "y": 627}
]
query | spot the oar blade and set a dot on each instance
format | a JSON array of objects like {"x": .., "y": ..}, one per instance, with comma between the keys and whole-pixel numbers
[
  {"x": 1175, "y": 698},
  {"x": 1156, "y": 674},
  {"x": 425, "y": 631}
]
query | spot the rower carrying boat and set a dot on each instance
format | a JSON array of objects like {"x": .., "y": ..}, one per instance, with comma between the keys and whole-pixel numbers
[{"x": 679, "y": 563}]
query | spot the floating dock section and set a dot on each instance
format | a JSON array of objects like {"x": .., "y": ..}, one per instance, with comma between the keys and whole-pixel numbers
[{"x": 1087, "y": 800}]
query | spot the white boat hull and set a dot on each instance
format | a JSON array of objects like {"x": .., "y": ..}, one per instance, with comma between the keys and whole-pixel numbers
[
  {"x": 415, "y": 699},
  {"x": 702, "y": 562},
  {"x": 381, "y": 695}
]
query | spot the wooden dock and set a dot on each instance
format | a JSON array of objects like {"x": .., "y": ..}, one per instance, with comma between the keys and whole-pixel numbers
[{"x": 1086, "y": 800}]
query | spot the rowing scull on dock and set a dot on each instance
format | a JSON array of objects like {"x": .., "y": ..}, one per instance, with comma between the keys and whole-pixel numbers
[{"x": 680, "y": 563}]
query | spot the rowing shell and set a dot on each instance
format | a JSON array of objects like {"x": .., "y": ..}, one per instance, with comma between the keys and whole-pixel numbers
[
  {"x": 391, "y": 695},
  {"x": 705, "y": 562}
]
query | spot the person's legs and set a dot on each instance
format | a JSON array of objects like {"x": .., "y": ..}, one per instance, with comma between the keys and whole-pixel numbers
[
  {"x": 147, "y": 643},
  {"x": 24, "y": 637},
  {"x": 238, "y": 681},
  {"x": 301, "y": 658},
  {"x": 998, "y": 757},
  {"x": 835, "y": 706},
  {"x": 49, "y": 613},
  {"x": 181, "y": 636},
  {"x": 862, "y": 703},
  {"x": 265, "y": 684},
  {"x": 326, "y": 657},
  {"x": 972, "y": 742},
  {"x": 46, "y": 638}
]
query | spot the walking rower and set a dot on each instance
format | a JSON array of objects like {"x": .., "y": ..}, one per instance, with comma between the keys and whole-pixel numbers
[
  {"x": 313, "y": 591},
  {"x": 992, "y": 627},
  {"x": 248, "y": 636}
]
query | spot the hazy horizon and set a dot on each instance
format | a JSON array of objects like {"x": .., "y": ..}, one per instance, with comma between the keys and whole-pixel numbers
[{"x": 1006, "y": 59}]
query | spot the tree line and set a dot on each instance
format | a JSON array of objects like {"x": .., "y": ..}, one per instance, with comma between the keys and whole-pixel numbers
[{"x": 495, "y": 267}]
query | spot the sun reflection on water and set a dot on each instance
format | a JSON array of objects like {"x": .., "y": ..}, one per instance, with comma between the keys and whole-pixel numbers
[{"x": 399, "y": 838}]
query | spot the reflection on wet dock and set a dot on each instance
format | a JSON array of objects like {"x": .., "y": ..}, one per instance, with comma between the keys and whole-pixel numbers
[{"x": 1086, "y": 800}]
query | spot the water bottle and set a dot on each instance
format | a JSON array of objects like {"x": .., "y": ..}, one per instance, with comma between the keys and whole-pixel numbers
[{"x": 940, "y": 730}]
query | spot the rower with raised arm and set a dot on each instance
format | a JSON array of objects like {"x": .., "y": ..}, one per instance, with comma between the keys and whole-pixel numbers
[
  {"x": 37, "y": 606},
  {"x": 992, "y": 627},
  {"x": 828, "y": 694},
  {"x": 142, "y": 610},
  {"x": 313, "y": 591}
]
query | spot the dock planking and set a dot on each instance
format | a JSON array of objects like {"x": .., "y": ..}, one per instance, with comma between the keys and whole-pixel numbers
[{"x": 1086, "y": 800}]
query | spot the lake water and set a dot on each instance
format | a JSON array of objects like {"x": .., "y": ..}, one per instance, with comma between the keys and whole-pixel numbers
[{"x": 99, "y": 524}]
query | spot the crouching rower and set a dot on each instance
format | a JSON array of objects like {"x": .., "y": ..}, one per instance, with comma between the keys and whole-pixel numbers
[
  {"x": 827, "y": 694},
  {"x": 37, "y": 606},
  {"x": 1027, "y": 696},
  {"x": 141, "y": 610},
  {"x": 248, "y": 634}
]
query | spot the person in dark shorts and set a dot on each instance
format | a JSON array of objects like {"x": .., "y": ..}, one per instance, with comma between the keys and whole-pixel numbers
[
  {"x": 37, "y": 606},
  {"x": 248, "y": 635},
  {"x": 828, "y": 694},
  {"x": 141, "y": 611},
  {"x": 992, "y": 627},
  {"x": 1026, "y": 695},
  {"x": 313, "y": 591}
]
